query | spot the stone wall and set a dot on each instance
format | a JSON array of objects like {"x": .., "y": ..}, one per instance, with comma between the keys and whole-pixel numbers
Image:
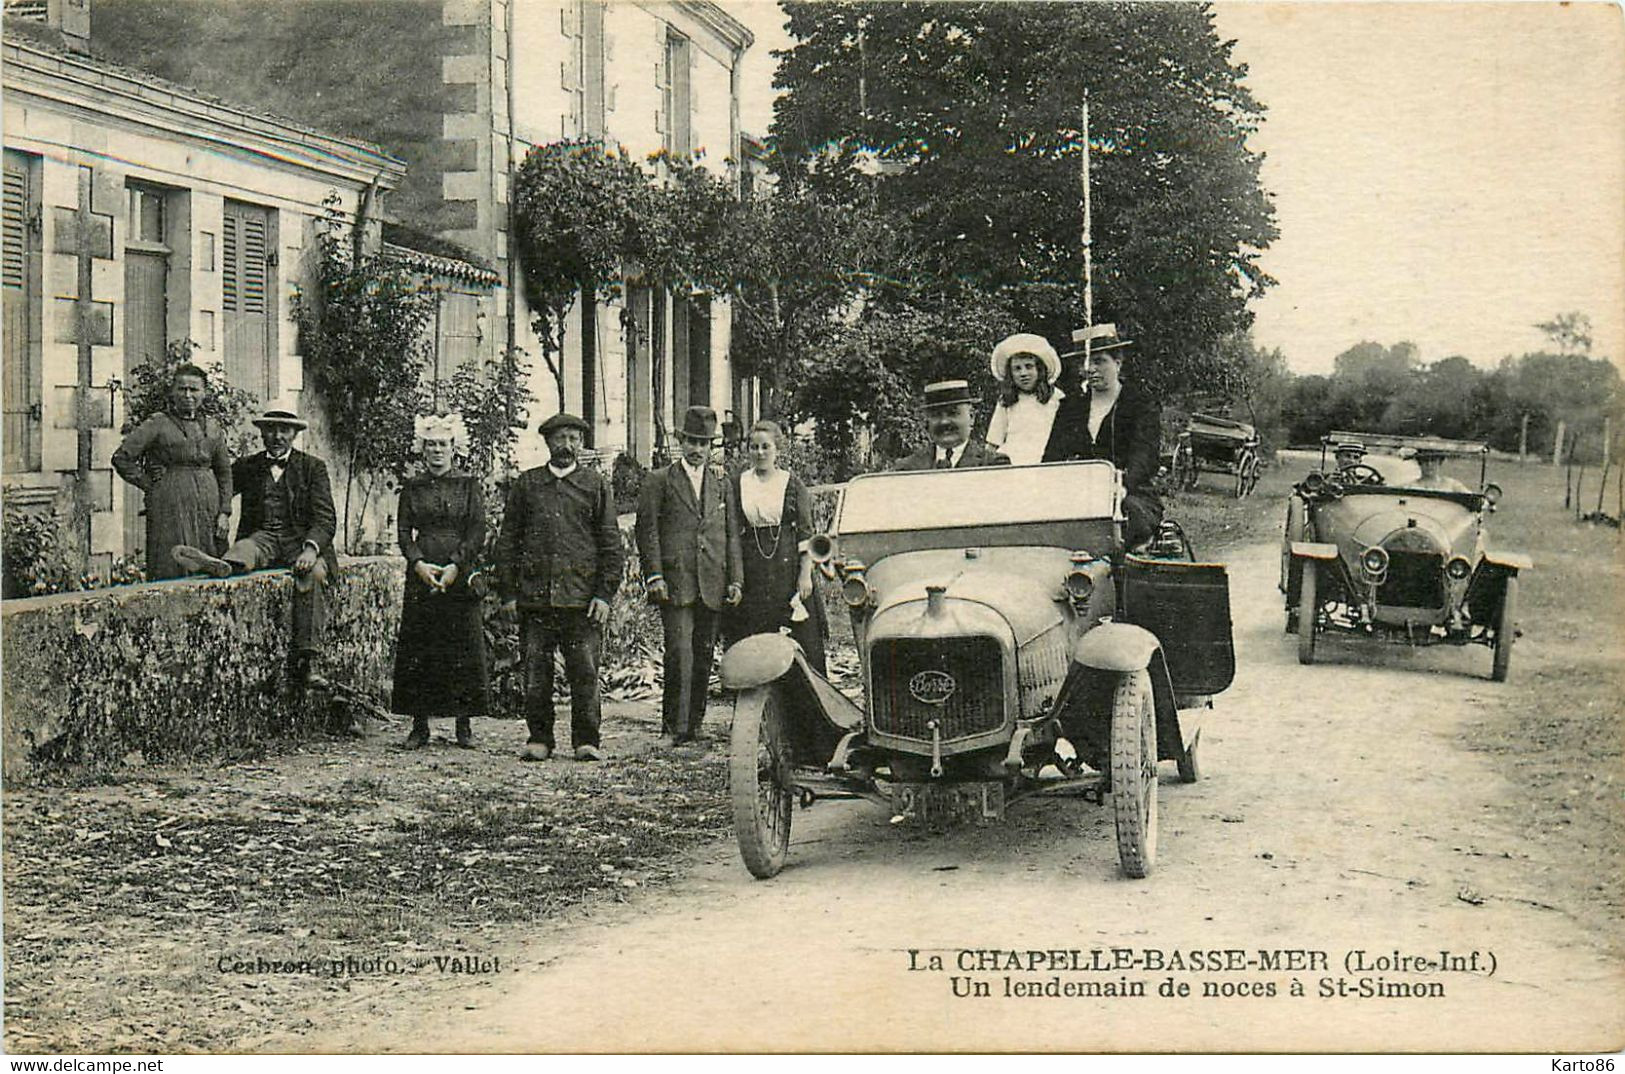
[{"x": 176, "y": 670}]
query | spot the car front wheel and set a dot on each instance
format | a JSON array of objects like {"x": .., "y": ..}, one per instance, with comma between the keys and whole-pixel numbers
[
  {"x": 1506, "y": 630},
  {"x": 759, "y": 780},
  {"x": 1308, "y": 600},
  {"x": 1134, "y": 774}
]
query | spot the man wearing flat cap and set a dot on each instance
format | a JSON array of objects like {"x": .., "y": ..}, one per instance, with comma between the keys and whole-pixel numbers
[
  {"x": 947, "y": 404},
  {"x": 287, "y": 520},
  {"x": 559, "y": 564},
  {"x": 692, "y": 567},
  {"x": 1112, "y": 419}
]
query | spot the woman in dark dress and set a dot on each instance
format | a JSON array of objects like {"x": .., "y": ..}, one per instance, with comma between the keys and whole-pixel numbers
[
  {"x": 1114, "y": 419},
  {"x": 774, "y": 514},
  {"x": 440, "y": 665},
  {"x": 179, "y": 459}
]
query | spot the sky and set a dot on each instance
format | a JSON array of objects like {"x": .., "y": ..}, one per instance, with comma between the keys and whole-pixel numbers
[{"x": 1447, "y": 174}]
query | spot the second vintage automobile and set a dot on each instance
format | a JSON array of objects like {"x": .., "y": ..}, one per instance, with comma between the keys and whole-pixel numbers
[
  {"x": 995, "y": 612},
  {"x": 1371, "y": 551}
]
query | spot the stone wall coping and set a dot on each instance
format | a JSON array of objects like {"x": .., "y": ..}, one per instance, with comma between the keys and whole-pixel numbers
[{"x": 122, "y": 593}]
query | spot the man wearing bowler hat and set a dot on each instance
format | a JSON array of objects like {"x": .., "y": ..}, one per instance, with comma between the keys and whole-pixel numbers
[
  {"x": 947, "y": 419},
  {"x": 689, "y": 546},
  {"x": 288, "y": 520},
  {"x": 559, "y": 564}
]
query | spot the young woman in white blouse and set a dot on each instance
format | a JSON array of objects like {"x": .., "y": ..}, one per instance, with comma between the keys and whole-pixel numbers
[
  {"x": 775, "y": 522},
  {"x": 1026, "y": 367}
]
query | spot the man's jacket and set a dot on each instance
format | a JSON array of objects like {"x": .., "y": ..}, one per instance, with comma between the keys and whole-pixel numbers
[
  {"x": 559, "y": 546},
  {"x": 309, "y": 492},
  {"x": 692, "y": 544},
  {"x": 976, "y": 453}
]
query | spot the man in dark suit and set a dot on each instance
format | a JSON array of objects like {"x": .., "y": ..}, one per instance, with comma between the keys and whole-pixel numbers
[
  {"x": 559, "y": 562},
  {"x": 689, "y": 546},
  {"x": 1112, "y": 419},
  {"x": 947, "y": 418},
  {"x": 287, "y": 521}
]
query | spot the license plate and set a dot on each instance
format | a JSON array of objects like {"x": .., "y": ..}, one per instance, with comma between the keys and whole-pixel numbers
[{"x": 943, "y": 803}]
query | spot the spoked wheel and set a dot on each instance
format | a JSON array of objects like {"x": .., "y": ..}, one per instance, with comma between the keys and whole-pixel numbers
[
  {"x": 1308, "y": 600},
  {"x": 1246, "y": 474},
  {"x": 1506, "y": 630},
  {"x": 759, "y": 782},
  {"x": 1134, "y": 774}
]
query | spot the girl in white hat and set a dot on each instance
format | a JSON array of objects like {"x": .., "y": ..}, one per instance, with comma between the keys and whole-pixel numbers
[{"x": 1026, "y": 367}]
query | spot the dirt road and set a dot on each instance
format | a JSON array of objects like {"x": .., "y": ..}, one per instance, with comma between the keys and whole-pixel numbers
[{"x": 1338, "y": 813}]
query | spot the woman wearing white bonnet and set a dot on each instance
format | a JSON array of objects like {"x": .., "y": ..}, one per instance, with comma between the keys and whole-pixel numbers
[{"x": 440, "y": 665}]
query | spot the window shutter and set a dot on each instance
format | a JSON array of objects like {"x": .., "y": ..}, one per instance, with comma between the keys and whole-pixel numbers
[
  {"x": 254, "y": 266},
  {"x": 229, "y": 265},
  {"x": 16, "y": 228}
]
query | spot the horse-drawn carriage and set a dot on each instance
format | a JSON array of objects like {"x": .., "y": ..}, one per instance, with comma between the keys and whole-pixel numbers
[{"x": 1217, "y": 445}]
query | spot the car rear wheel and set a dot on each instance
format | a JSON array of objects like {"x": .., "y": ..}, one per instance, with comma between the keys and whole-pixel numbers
[
  {"x": 1506, "y": 630},
  {"x": 1134, "y": 774},
  {"x": 759, "y": 780},
  {"x": 1308, "y": 601}
]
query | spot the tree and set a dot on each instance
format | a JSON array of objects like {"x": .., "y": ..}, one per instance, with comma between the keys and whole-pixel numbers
[
  {"x": 364, "y": 330},
  {"x": 959, "y": 122},
  {"x": 1571, "y": 332},
  {"x": 581, "y": 213}
]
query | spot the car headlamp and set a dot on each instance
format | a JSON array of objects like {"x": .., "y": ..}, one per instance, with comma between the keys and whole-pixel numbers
[
  {"x": 1458, "y": 568},
  {"x": 1374, "y": 561},
  {"x": 855, "y": 589},
  {"x": 1079, "y": 584},
  {"x": 1492, "y": 494}
]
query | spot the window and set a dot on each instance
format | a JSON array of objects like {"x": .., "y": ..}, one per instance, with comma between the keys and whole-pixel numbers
[
  {"x": 23, "y": 325},
  {"x": 677, "y": 100}
]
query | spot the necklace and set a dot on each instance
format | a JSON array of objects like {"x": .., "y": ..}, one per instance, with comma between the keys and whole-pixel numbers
[
  {"x": 756, "y": 535},
  {"x": 756, "y": 531}
]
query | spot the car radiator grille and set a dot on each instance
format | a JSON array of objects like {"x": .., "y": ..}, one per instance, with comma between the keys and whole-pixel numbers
[
  {"x": 976, "y": 705},
  {"x": 1415, "y": 580}
]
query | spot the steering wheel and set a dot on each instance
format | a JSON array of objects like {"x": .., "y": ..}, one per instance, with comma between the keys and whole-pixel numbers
[{"x": 1360, "y": 473}]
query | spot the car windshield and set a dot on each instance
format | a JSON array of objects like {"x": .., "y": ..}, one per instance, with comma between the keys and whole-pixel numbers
[{"x": 979, "y": 496}]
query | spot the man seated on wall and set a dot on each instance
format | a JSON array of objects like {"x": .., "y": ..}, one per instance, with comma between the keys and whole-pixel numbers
[
  {"x": 288, "y": 520},
  {"x": 946, "y": 405}
]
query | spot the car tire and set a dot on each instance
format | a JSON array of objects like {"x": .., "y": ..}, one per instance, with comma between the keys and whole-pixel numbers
[
  {"x": 1134, "y": 774},
  {"x": 1506, "y": 630},
  {"x": 763, "y": 800},
  {"x": 1308, "y": 601}
]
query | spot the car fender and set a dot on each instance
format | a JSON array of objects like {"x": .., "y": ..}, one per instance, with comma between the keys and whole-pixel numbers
[
  {"x": 757, "y": 660},
  {"x": 1509, "y": 561},
  {"x": 1313, "y": 550},
  {"x": 1123, "y": 648},
  {"x": 1116, "y": 647}
]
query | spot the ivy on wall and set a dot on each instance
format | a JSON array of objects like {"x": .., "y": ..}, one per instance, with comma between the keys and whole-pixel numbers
[{"x": 179, "y": 670}]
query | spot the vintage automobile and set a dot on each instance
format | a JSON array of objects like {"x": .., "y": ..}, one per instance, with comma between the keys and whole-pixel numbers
[
  {"x": 994, "y": 612},
  {"x": 1217, "y": 445},
  {"x": 1369, "y": 552}
]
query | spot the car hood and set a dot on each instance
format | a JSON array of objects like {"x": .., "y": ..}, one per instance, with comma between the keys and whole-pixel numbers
[
  {"x": 1021, "y": 584},
  {"x": 1412, "y": 523}
]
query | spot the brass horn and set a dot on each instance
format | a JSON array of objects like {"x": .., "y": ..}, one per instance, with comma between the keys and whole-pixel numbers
[{"x": 821, "y": 547}]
